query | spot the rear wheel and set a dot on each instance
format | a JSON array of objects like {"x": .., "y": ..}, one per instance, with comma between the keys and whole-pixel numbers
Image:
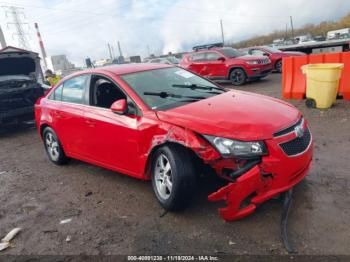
[
  {"x": 173, "y": 177},
  {"x": 238, "y": 77},
  {"x": 278, "y": 66},
  {"x": 53, "y": 147}
]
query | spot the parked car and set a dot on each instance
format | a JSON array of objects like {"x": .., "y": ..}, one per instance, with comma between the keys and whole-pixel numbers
[
  {"x": 21, "y": 84},
  {"x": 165, "y": 124},
  {"x": 164, "y": 60},
  {"x": 274, "y": 54},
  {"x": 226, "y": 63}
]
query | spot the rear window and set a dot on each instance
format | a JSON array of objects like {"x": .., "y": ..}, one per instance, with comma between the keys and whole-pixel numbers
[
  {"x": 212, "y": 56},
  {"x": 197, "y": 57}
]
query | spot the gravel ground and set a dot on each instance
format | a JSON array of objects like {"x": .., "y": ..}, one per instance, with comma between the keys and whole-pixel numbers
[{"x": 114, "y": 214}]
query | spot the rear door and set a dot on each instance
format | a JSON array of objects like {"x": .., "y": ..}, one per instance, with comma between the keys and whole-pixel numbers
[
  {"x": 215, "y": 67},
  {"x": 198, "y": 63},
  {"x": 68, "y": 115}
]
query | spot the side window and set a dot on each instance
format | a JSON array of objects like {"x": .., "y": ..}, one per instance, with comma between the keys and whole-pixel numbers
[
  {"x": 257, "y": 52},
  {"x": 212, "y": 56},
  {"x": 103, "y": 92},
  {"x": 198, "y": 57},
  {"x": 74, "y": 88},
  {"x": 56, "y": 94}
]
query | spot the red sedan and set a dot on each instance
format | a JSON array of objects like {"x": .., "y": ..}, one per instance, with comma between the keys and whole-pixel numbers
[
  {"x": 274, "y": 54},
  {"x": 165, "y": 124}
]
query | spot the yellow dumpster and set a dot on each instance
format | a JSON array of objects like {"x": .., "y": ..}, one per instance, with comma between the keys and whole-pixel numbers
[{"x": 322, "y": 82}]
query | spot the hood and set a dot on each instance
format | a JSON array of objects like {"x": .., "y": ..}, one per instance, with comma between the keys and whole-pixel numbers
[
  {"x": 250, "y": 57},
  {"x": 18, "y": 64},
  {"x": 234, "y": 114}
]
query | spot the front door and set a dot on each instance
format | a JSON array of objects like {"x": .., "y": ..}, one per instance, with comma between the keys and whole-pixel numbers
[{"x": 112, "y": 140}]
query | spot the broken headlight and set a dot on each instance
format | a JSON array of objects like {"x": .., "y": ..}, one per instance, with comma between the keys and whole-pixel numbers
[{"x": 229, "y": 147}]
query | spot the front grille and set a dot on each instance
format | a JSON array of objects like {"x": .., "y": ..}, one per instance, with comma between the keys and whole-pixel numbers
[
  {"x": 263, "y": 61},
  {"x": 297, "y": 145},
  {"x": 288, "y": 129}
]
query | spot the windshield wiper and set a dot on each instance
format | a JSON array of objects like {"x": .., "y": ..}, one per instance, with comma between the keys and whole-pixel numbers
[
  {"x": 166, "y": 94},
  {"x": 195, "y": 86}
]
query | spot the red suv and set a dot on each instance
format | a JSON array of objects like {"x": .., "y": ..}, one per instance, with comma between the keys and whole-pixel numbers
[
  {"x": 274, "y": 54},
  {"x": 226, "y": 63},
  {"x": 165, "y": 124}
]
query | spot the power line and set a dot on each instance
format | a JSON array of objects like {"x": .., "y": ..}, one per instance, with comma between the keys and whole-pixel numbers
[
  {"x": 104, "y": 14},
  {"x": 16, "y": 13}
]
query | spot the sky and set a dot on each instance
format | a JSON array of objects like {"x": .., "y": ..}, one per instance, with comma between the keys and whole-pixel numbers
[{"x": 83, "y": 28}]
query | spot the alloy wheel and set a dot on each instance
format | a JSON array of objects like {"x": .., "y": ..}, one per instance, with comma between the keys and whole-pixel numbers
[
  {"x": 163, "y": 177},
  {"x": 279, "y": 66},
  {"x": 237, "y": 77}
]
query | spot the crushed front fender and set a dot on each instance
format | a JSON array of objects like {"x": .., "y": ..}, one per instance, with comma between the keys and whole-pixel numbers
[{"x": 275, "y": 174}]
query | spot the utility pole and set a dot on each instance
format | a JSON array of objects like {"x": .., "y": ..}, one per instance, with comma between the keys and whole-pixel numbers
[
  {"x": 41, "y": 44},
  {"x": 120, "y": 50},
  {"x": 121, "y": 57},
  {"x": 16, "y": 12},
  {"x": 148, "y": 52},
  {"x": 113, "y": 54},
  {"x": 110, "y": 51},
  {"x": 291, "y": 24},
  {"x": 222, "y": 32},
  {"x": 2, "y": 39},
  {"x": 286, "y": 34}
]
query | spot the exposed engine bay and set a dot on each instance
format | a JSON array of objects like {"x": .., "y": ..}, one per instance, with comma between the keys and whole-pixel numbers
[{"x": 21, "y": 84}]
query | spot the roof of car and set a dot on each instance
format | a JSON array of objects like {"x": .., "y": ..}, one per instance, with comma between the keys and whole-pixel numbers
[{"x": 129, "y": 68}]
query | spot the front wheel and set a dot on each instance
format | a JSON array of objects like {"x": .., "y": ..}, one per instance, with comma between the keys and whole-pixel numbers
[
  {"x": 238, "y": 77},
  {"x": 173, "y": 177},
  {"x": 278, "y": 66}
]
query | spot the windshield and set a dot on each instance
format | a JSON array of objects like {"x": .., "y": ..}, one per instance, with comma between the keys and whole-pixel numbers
[
  {"x": 231, "y": 52},
  {"x": 167, "y": 88},
  {"x": 272, "y": 50}
]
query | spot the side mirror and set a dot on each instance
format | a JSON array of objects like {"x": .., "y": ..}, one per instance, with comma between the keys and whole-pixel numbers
[
  {"x": 222, "y": 59},
  {"x": 266, "y": 54},
  {"x": 119, "y": 107}
]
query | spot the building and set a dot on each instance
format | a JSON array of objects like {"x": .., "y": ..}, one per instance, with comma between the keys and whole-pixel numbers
[
  {"x": 102, "y": 62},
  {"x": 61, "y": 63}
]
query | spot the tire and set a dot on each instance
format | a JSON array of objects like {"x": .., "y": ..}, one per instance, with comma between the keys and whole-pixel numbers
[
  {"x": 238, "y": 77},
  {"x": 53, "y": 147},
  {"x": 174, "y": 187},
  {"x": 278, "y": 66},
  {"x": 310, "y": 103}
]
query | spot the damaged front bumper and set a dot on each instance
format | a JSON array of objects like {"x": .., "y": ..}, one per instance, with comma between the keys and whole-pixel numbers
[{"x": 274, "y": 174}]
